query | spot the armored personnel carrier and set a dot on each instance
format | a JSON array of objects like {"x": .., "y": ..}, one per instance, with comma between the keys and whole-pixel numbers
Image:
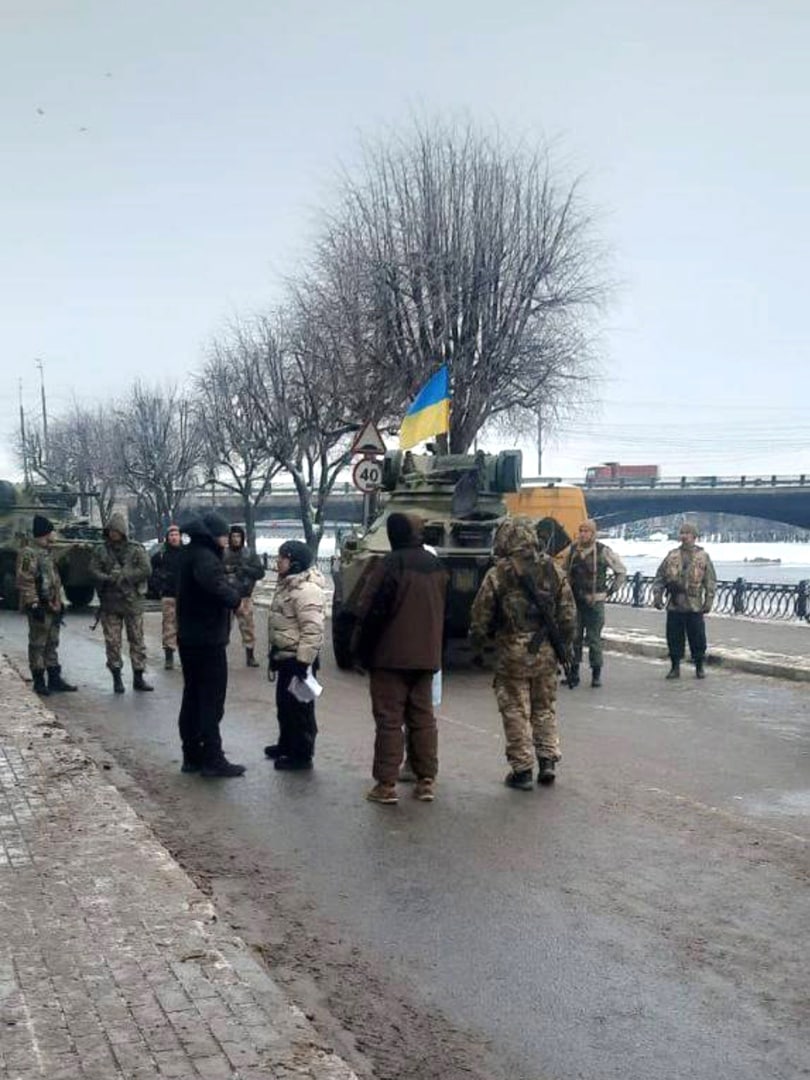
[
  {"x": 460, "y": 499},
  {"x": 74, "y": 539}
]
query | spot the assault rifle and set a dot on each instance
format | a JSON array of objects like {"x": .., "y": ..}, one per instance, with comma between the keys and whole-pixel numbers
[{"x": 548, "y": 629}]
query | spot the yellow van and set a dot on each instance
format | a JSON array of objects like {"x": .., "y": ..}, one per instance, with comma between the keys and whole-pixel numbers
[{"x": 558, "y": 510}]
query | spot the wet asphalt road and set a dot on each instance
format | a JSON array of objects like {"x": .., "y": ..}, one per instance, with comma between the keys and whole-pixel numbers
[{"x": 646, "y": 917}]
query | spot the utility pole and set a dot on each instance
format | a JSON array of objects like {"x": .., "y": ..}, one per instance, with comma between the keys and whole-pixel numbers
[
  {"x": 539, "y": 442},
  {"x": 44, "y": 412},
  {"x": 23, "y": 444}
]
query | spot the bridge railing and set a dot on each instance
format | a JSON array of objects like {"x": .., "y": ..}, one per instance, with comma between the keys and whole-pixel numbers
[
  {"x": 675, "y": 482},
  {"x": 756, "y": 599}
]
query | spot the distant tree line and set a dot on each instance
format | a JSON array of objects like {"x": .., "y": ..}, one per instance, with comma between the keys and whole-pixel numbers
[{"x": 445, "y": 245}]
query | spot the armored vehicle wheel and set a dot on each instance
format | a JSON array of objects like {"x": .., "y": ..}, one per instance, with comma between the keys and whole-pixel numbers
[
  {"x": 9, "y": 597},
  {"x": 80, "y": 595}
]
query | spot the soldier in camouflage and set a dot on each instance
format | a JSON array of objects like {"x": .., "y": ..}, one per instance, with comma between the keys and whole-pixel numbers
[
  {"x": 40, "y": 590},
  {"x": 687, "y": 576},
  {"x": 525, "y": 662},
  {"x": 245, "y": 567},
  {"x": 586, "y": 563},
  {"x": 120, "y": 569}
]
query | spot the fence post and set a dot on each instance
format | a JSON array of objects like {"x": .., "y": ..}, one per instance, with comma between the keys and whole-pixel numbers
[
  {"x": 638, "y": 590},
  {"x": 738, "y": 597},
  {"x": 801, "y": 600}
]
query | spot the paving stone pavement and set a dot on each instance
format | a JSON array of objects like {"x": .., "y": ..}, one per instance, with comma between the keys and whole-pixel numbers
[{"x": 112, "y": 962}]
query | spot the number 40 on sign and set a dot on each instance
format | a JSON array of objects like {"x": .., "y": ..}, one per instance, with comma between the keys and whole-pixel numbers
[{"x": 367, "y": 474}]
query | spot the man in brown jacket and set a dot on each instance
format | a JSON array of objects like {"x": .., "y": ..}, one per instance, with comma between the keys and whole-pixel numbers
[{"x": 400, "y": 644}]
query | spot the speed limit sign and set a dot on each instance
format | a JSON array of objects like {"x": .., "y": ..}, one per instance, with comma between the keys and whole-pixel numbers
[{"x": 367, "y": 475}]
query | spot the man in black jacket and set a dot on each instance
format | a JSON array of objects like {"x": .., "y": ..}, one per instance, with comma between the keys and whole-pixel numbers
[
  {"x": 205, "y": 598},
  {"x": 165, "y": 574}
]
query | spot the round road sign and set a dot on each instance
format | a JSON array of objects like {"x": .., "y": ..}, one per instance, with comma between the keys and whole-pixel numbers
[{"x": 367, "y": 475}]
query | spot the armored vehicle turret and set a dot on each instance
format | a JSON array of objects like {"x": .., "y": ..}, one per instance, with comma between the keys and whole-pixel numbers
[
  {"x": 460, "y": 499},
  {"x": 74, "y": 539}
]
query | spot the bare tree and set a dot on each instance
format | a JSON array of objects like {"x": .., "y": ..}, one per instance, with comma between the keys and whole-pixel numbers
[
  {"x": 81, "y": 455},
  {"x": 161, "y": 450},
  {"x": 305, "y": 412},
  {"x": 235, "y": 450},
  {"x": 463, "y": 250}
]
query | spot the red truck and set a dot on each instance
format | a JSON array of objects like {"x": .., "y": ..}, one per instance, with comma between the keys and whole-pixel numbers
[{"x": 612, "y": 470}]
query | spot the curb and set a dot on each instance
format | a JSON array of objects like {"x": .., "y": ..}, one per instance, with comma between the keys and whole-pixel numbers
[{"x": 770, "y": 665}]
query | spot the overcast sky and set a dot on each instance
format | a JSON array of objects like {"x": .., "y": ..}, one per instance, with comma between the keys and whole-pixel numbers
[{"x": 162, "y": 165}]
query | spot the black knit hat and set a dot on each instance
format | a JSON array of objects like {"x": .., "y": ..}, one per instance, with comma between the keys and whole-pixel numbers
[
  {"x": 298, "y": 553},
  {"x": 215, "y": 523},
  {"x": 41, "y": 526}
]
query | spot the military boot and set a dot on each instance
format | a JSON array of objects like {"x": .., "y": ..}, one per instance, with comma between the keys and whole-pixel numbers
[
  {"x": 520, "y": 781},
  {"x": 574, "y": 677},
  {"x": 546, "y": 770},
  {"x": 139, "y": 683},
  {"x": 168, "y": 659},
  {"x": 596, "y": 676},
  {"x": 675, "y": 671},
  {"x": 118, "y": 682},
  {"x": 700, "y": 670},
  {"x": 39, "y": 683},
  {"x": 250, "y": 659},
  {"x": 55, "y": 681}
]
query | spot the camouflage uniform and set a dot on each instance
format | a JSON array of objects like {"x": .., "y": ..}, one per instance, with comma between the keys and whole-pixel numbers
[
  {"x": 121, "y": 572},
  {"x": 40, "y": 586},
  {"x": 247, "y": 569},
  {"x": 687, "y": 576},
  {"x": 525, "y": 680},
  {"x": 586, "y": 567}
]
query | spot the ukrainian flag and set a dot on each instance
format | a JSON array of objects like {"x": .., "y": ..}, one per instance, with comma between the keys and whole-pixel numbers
[{"x": 429, "y": 413}]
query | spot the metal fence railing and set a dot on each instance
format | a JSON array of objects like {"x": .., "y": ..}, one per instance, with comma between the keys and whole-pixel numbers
[{"x": 758, "y": 599}]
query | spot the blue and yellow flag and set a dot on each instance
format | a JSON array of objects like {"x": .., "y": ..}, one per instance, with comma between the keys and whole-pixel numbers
[{"x": 429, "y": 413}]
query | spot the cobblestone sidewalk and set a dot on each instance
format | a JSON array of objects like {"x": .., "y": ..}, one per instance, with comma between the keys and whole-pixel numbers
[{"x": 112, "y": 962}]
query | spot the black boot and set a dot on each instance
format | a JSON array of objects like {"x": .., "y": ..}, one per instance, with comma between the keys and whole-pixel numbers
[
  {"x": 139, "y": 683},
  {"x": 596, "y": 676},
  {"x": 168, "y": 661},
  {"x": 700, "y": 671},
  {"x": 250, "y": 659},
  {"x": 39, "y": 683},
  {"x": 546, "y": 770},
  {"x": 520, "y": 781},
  {"x": 118, "y": 682},
  {"x": 55, "y": 681},
  {"x": 272, "y": 751},
  {"x": 675, "y": 671},
  {"x": 574, "y": 677},
  {"x": 222, "y": 769},
  {"x": 290, "y": 764}
]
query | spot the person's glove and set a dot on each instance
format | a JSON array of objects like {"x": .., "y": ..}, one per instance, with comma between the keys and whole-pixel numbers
[
  {"x": 37, "y": 612},
  {"x": 298, "y": 667},
  {"x": 477, "y": 660},
  {"x": 707, "y": 607},
  {"x": 658, "y": 603}
]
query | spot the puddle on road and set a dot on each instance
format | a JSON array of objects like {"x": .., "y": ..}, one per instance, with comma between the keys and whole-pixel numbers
[{"x": 784, "y": 804}]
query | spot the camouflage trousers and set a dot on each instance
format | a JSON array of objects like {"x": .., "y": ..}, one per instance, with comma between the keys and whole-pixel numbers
[
  {"x": 528, "y": 710},
  {"x": 113, "y": 625},
  {"x": 590, "y": 624},
  {"x": 168, "y": 606},
  {"x": 43, "y": 642},
  {"x": 247, "y": 626}
]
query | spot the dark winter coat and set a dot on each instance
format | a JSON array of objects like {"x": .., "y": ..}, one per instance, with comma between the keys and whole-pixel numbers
[
  {"x": 243, "y": 565},
  {"x": 205, "y": 595},
  {"x": 166, "y": 569},
  {"x": 404, "y": 624}
]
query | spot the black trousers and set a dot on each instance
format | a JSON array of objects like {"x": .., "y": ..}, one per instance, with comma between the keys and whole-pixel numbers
[
  {"x": 296, "y": 719},
  {"x": 682, "y": 625},
  {"x": 205, "y": 683}
]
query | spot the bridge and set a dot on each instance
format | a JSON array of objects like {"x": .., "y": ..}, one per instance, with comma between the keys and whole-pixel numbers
[{"x": 611, "y": 502}]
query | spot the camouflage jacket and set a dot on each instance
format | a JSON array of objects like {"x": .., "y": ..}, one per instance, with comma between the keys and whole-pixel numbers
[
  {"x": 502, "y": 611},
  {"x": 587, "y": 571},
  {"x": 38, "y": 579},
  {"x": 120, "y": 572},
  {"x": 245, "y": 566},
  {"x": 688, "y": 578},
  {"x": 297, "y": 613}
]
